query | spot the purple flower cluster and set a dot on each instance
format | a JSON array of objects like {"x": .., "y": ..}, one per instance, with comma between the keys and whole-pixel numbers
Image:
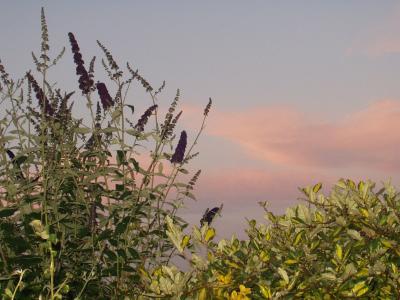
[
  {"x": 209, "y": 215},
  {"x": 106, "y": 100},
  {"x": 85, "y": 79},
  {"x": 145, "y": 83},
  {"x": 169, "y": 126},
  {"x": 144, "y": 118},
  {"x": 4, "y": 75},
  {"x": 135, "y": 75},
  {"x": 49, "y": 110},
  {"x": 180, "y": 149}
]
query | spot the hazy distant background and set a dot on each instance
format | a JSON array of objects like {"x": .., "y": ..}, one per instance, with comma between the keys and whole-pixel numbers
[{"x": 304, "y": 91}]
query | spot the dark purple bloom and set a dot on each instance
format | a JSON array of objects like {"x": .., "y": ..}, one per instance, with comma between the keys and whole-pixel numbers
[
  {"x": 49, "y": 110},
  {"x": 209, "y": 215},
  {"x": 16, "y": 165},
  {"x": 78, "y": 58},
  {"x": 3, "y": 74},
  {"x": 180, "y": 149},
  {"x": 80, "y": 69},
  {"x": 85, "y": 79},
  {"x": 144, "y": 118},
  {"x": 169, "y": 126},
  {"x": 10, "y": 154},
  {"x": 208, "y": 107},
  {"x": 106, "y": 100}
]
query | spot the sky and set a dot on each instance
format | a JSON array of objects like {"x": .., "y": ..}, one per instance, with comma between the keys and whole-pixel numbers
[{"x": 303, "y": 91}]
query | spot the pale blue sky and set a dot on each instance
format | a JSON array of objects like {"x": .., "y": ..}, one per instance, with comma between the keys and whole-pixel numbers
[
  {"x": 240, "y": 53},
  {"x": 325, "y": 60}
]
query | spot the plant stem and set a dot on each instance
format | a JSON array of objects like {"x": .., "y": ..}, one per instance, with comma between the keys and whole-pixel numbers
[
  {"x": 21, "y": 275},
  {"x": 3, "y": 257}
]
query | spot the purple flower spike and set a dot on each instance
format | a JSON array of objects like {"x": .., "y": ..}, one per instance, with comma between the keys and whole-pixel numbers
[
  {"x": 106, "y": 100},
  {"x": 180, "y": 149},
  {"x": 144, "y": 118},
  {"x": 85, "y": 80}
]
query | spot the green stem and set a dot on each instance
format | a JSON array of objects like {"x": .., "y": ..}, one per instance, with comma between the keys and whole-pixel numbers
[
  {"x": 51, "y": 270},
  {"x": 4, "y": 258},
  {"x": 21, "y": 275}
]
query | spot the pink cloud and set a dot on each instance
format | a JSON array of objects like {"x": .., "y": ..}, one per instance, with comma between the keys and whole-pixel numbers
[
  {"x": 247, "y": 186},
  {"x": 290, "y": 138},
  {"x": 240, "y": 190},
  {"x": 376, "y": 46}
]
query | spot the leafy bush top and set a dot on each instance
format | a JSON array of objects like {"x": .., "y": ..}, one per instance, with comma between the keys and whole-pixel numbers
[{"x": 342, "y": 246}]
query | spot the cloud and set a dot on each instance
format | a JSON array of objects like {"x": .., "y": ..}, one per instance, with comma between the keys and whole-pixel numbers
[
  {"x": 284, "y": 149},
  {"x": 247, "y": 186},
  {"x": 376, "y": 46},
  {"x": 241, "y": 190},
  {"x": 281, "y": 135}
]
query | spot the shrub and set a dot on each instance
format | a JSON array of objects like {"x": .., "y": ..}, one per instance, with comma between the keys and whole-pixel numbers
[
  {"x": 342, "y": 246},
  {"x": 81, "y": 215}
]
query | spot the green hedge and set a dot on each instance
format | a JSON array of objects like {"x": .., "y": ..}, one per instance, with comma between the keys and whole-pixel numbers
[{"x": 342, "y": 246}]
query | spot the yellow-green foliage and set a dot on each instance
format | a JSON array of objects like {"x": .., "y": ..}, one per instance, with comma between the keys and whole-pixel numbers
[{"x": 345, "y": 245}]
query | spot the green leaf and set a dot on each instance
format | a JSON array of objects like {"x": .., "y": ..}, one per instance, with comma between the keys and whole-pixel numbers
[
  {"x": 132, "y": 132},
  {"x": 202, "y": 295},
  {"x": 175, "y": 234},
  {"x": 109, "y": 129},
  {"x": 121, "y": 226},
  {"x": 291, "y": 261},
  {"x": 317, "y": 187},
  {"x": 209, "y": 234},
  {"x": 121, "y": 157},
  {"x": 184, "y": 171},
  {"x": 319, "y": 217},
  {"x": 8, "y": 293},
  {"x": 387, "y": 243},
  {"x": 328, "y": 276},
  {"x": 116, "y": 114},
  {"x": 131, "y": 107},
  {"x": 7, "y": 211},
  {"x": 265, "y": 291},
  {"x": 354, "y": 234},
  {"x": 395, "y": 270},
  {"x": 284, "y": 275},
  {"x": 351, "y": 184},
  {"x": 135, "y": 164},
  {"x": 5, "y": 139},
  {"x": 298, "y": 237},
  {"x": 105, "y": 235},
  {"x": 185, "y": 241},
  {"x": 160, "y": 167},
  {"x": 37, "y": 225},
  {"x": 83, "y": 130},
  {"x": 134, "y": 254},
  {"x": 360, "y": 288},
  {"x": 364, "y": 212},
  {"x": 339, "y": 252}
]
